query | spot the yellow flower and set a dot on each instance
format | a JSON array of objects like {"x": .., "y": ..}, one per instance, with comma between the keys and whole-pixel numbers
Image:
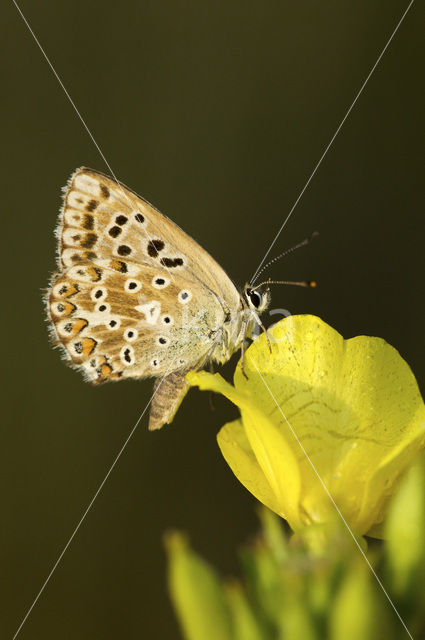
[{"x": 321, "y": 414}]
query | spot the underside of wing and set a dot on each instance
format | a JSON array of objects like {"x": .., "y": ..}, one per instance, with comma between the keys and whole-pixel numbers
[
  {"x": 102, "y": 218},
  {"x": 115, "y": 318}
]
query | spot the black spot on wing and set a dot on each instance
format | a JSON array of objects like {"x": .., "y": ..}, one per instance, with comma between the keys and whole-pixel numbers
[
  {"x": 171, "y": 262},
  {"x": 115, "y": 231},
  {"x": 89, "y": 240},
  {"x": 105, "y": 191},
  {"x": 92, "y": 205},
  {"x": 88, "y": 222},
  {"x": 154, "y": 247}
]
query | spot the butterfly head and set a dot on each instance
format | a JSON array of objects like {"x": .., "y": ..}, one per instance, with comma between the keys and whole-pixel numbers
[{"x": 258, "y": 299}]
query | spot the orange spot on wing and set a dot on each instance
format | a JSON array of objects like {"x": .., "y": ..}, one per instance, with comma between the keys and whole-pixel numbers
[
  {"x": 88, "y": 346},
  {"x": 105, "y": 371},
  {"x": 94, "y": 273},
  {"x": 71, "y": 290},
  {"x": 119, "y": 265},
  {"x": 78, "y": 326},
  {"x": 68, "y": 308}
]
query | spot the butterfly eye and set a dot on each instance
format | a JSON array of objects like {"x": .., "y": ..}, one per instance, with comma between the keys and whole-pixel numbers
[{"x": 255, "y": 298}]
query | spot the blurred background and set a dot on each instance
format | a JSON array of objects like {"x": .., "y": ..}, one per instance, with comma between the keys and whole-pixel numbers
[{"x": 216, "y": 112}]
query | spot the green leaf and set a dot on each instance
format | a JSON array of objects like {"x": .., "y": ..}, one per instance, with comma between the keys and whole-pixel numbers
[
  {"x": 296, "y": 623},
  {"x": 405, "y": 530},
  {"x": 197, "y": 594},
  {"x": 274, "y": 535},
  {"x": 264, "y": 580},
  {"x": 355, "y": 610},
  {"x": 246, "y": 626}
]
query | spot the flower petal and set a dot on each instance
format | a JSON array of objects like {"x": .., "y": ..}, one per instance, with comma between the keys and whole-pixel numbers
[
  {"x": 237, "y": 452},
  {"x": 322, "y": 414},
  {"x": 268, "y": 444}
]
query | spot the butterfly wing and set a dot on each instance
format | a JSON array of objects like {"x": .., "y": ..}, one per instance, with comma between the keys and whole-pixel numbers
[
  {"x": 118, "y": 319},
  {"x": 135, "y": 296},
  {"x": 102, "y": 218}
]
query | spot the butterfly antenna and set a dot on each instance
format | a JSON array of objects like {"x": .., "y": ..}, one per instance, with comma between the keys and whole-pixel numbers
[
  {"x": 302, "y": 283},
  {"x": 285, "y": 253}
]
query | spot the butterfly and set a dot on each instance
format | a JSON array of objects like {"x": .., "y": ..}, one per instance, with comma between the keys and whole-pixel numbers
[{"x": 135, "y": 296}]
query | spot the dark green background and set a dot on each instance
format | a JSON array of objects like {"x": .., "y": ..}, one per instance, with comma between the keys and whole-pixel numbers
[{"x": 217, "y": 112}]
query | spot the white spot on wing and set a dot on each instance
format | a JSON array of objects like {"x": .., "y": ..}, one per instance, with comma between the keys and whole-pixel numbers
[
  {"x": 184, "y": 296},
  {"x": 113, "y": 323},
  {"x": 58, "y": 308},
  {"x": 151, "y": 311},
  {"x": 102, "y": 307},
  {"x": 64, "y": 328},
  {"x": 167, "y": 320},
  {"x": 127, "y": 355},
  {"x": 160, "y": 282},
  {"x": 60, "y": 289},
  {"x": 98, "y": 293},
  {"x": 73, "y": 237},
  {"x": 67, "y": 256},
  {"x": 77, "y": 200},
  {"x": 72, "y": 217},
  {"x": 84, "y": 273},
  {"x": 87, "y": 184},
  {"x": 131, "y": 334},
  {"x": 132, "y": 285}
]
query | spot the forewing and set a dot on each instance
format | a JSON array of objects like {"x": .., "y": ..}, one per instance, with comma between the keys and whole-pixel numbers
[
  {"x": 102, "y": 218},
  {"x": 115, "y": 318}
]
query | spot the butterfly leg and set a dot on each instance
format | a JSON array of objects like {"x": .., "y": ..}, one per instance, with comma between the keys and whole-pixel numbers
[
  {"x": 262, "y": 327},
  {"x": 265, "y": 333},
  {"x": 243, "y": 359},
  {"x": 212, "y": 394}
]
